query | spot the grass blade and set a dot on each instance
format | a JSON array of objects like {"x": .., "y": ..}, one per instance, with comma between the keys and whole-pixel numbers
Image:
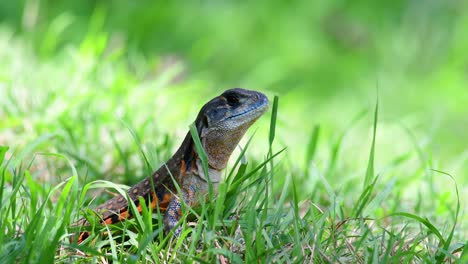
[
  {"x": 202, "y": 155},
  {"x": 423, "y": 221},
  {"x": 370, "y": 164},
  {"x": 312, "y": 146},
  {"x": 446, "y": 245},
  {"x": 3, "y": 151},
  {"x": 273, "y": 120}
]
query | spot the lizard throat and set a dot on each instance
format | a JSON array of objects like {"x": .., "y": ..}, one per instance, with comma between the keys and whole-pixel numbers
[{"x": 214, "y": 175}]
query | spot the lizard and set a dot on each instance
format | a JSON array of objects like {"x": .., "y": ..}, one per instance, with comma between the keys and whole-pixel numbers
[{"x": 220, "y": 125}]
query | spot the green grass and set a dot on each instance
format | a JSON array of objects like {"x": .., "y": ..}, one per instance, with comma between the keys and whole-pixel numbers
[{"x": 82, "y": 121}]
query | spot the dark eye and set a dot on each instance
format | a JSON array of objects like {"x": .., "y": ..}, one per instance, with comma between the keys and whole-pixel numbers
[{"x": 232, "y": 99}]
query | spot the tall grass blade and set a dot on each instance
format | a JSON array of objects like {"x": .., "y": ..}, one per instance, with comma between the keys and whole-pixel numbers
[
  {"x": 273, "y": 120},
  {"x": 440, "y": 257},
  {"x": 464, "y": 253},
  {"x": 240, "y": 159},
  {"x": 297, "y": 220},
  {"x": 202, "y": 155},
  {"x": 370, "y": 164},
  {"x": 312, "y": 146},
  {"x": 364, "y": 199},
  {"x": 423, "y": 221},
  {"x": 139, "y": 144},
  {"x": 3, "y": 151}
]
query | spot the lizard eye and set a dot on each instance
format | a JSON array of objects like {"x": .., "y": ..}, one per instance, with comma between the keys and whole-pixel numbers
[{"x": 232, "y": 99}]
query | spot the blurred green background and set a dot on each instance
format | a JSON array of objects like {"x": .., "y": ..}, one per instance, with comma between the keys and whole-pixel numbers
[{"x": 328, "y": 60}]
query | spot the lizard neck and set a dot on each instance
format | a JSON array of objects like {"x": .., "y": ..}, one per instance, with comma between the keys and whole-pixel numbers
[
  {"x": 220, "y": 143},
  {"x": 187, "y": 154}
]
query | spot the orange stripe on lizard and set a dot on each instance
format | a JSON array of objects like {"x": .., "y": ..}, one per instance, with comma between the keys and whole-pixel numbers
[
  {"x": 123, "y": 215},
  {"x": 183, "y": 167}
]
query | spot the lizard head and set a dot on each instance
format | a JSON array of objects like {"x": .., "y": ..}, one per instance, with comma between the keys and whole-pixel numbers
[{"x": 223, "y": 121}]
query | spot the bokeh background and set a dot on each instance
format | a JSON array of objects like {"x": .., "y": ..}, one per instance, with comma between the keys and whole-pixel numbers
[{"x": 154, "y": 63}]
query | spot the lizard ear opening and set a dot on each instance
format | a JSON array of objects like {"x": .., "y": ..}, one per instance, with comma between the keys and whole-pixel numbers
[
  {"x": 206, "y": 121},
  {"x": 202, "y": 123}
]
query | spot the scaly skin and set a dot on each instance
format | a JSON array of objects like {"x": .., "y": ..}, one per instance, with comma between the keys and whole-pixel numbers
[{"x": 220, "y": 124}]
